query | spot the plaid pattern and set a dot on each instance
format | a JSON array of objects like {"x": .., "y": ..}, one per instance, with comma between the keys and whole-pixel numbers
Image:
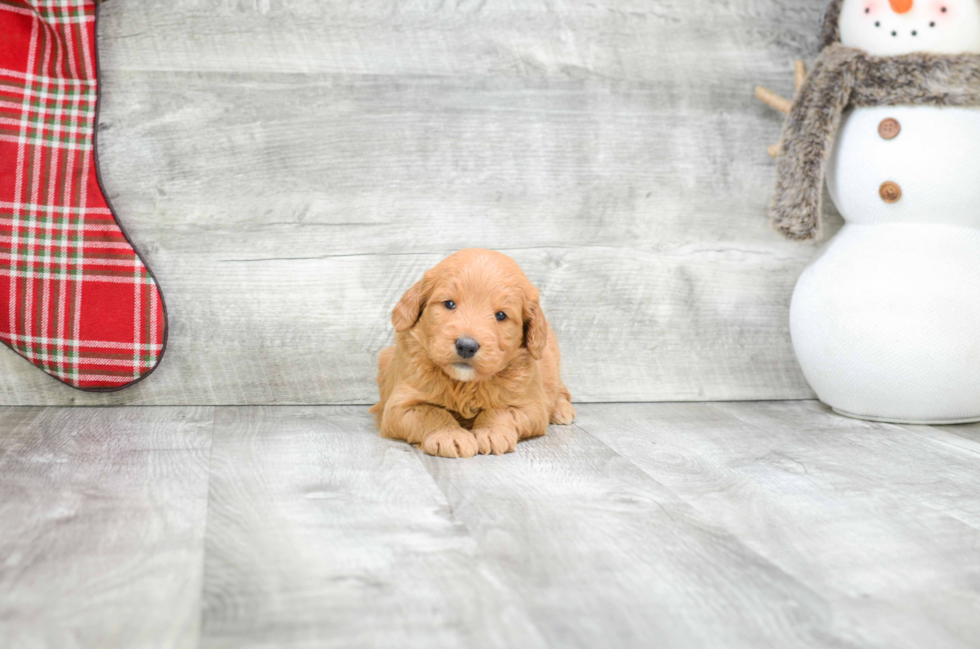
[{"x": 76, "y": 300}]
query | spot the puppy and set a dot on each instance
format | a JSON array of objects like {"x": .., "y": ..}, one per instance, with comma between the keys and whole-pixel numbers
[{"x": 475, "y": 365}]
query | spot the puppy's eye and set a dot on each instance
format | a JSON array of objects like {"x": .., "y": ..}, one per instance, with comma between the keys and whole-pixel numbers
[
  {"x": 501, "y": 316},
  {"x": 449, "y": 304}
]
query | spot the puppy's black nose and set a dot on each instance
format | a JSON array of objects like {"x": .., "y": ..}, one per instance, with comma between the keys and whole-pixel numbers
[{"x": 467, "y": 347}]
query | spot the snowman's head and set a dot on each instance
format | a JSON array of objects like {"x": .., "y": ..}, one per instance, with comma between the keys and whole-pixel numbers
[{"x": 893, "y": 27}]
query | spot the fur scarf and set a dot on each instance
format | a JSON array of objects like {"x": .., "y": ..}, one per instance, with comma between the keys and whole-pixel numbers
[{"x": 845, "y": 78}]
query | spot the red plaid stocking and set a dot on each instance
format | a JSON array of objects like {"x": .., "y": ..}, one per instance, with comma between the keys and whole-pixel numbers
[{"x": 76, "y": 300}]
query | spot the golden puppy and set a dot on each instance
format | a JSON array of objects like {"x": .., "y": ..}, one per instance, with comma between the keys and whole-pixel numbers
[{"x": 475, "y": 365}]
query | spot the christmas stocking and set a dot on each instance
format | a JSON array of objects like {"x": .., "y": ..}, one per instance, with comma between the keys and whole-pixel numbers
[{"x": 76, "y": 300}]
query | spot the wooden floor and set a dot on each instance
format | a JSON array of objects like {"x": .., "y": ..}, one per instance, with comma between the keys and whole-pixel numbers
[{"x": 656, "y": 525}]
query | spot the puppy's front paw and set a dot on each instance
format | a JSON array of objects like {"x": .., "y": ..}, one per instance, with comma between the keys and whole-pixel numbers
[
  {"x": 496, "y": 440},
  {"x": 451, "y": 443},
  {"x": 564, "y": 413}
]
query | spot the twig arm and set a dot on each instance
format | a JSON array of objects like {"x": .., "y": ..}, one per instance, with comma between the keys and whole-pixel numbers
[
  {"x": 773, "y": 100},
  {"x": 799, "y": 73},
  {"x": 781, "y": 104}
]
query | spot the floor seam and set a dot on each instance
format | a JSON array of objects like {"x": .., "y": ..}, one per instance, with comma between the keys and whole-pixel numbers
[
  {"x": 482, "y": 557},
  {"x": 204, "y": 533}
]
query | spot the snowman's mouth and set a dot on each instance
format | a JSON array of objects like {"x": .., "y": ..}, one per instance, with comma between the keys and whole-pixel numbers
[{"x": 913, "y": 31}]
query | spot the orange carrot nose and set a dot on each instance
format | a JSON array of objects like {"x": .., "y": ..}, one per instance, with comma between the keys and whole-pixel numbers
[{"x": 901, "y": 6}]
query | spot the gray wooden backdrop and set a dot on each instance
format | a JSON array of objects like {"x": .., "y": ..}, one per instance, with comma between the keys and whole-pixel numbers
[{"x": 290, "y": 167}]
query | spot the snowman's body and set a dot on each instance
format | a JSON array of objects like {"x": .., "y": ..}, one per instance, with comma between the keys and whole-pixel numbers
[{"x": 886, "y": 320}]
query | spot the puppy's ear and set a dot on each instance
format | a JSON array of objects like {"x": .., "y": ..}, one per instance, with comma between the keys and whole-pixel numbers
[
  {"x": 409, "y": 309},
  {"x": 535, "y": 325}
]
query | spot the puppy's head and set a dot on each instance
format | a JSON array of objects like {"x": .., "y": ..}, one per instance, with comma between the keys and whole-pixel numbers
[{"x": 473, "y": 314}]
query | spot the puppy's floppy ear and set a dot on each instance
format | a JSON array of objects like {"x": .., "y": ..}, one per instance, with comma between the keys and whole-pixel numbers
[
  {"x": 409, "y": 309},
  {"x": 535, "y": 325}
]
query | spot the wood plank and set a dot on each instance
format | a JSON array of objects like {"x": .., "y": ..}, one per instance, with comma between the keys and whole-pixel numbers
[
  {"x": 290, "y": 168},
  {"x": 615, "y": 39},
  {"x": 736, "y": 525},
  {"x": 964, "y": 436},
  {"x": 880, "y": 522},
  {"x": 939, "y": 470},
  {"x": 102, "y": 526},
  {"x": 321, "y": 534},
  {"x": 606, "y": 556}
]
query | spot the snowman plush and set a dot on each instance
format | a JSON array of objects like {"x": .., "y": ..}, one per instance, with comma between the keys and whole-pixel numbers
[{"x": 886, "y": 321}]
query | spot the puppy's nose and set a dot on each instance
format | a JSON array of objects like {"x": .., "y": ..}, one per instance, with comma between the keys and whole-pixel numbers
[{"x": 467, "y": 347}]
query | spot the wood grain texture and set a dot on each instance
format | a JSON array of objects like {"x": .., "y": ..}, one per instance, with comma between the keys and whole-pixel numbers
[
  {"x": 607, "y": 556},
  {"x": 102, "y": 526},
  {"x": 881, "y": 522},
  {"x": 322, "y": 534},
  {"x": 290, "y": 167},
  {"x": 678, "y": 525}
]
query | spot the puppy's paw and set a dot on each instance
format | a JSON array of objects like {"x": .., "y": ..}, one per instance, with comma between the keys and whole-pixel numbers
[
  {"x": 496, "y": 440},
  {"x": 564, "y": 413},
  {"x": 452, "y": 442}
]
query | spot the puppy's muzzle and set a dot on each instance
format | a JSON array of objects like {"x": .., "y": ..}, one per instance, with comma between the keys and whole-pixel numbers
[{"x": 467, "y": 347}]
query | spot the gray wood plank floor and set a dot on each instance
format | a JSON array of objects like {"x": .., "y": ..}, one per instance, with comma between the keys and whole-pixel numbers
[
  {"x": 102, "y": 526},
  {"x": 770, "y": 524}
]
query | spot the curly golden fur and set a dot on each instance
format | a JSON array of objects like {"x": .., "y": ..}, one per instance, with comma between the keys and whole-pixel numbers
[{"x": 452, "y": 406}]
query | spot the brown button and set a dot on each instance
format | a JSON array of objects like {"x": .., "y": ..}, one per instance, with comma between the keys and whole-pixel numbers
[
  {"x": 889, "y": 128},
  {"x": 890, "y": 192}
]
